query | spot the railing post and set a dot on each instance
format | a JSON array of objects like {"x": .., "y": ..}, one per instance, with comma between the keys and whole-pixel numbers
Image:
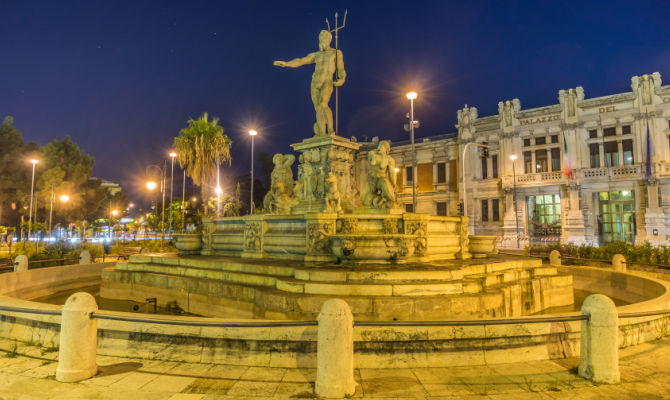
[
  {"x": 335, "y": 351},
  {"x": 85, "y": 257},
  {"x": 78, "y": 339},
  {"x": 619, "y": 263},
  {"x": 599, "y": 343},
  {"x": 20, "y": 263},
  {"x": 555, "y": 258}
]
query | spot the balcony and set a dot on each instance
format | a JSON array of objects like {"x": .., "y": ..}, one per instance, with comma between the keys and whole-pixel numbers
[
  {"x": 623, "y": 172},
  {"x": 663, "y": 170},
  {"x": 537, "y": 179}
]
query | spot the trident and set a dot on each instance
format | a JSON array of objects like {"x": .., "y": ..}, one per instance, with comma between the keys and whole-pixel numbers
[{"x": 336, "y": 29}]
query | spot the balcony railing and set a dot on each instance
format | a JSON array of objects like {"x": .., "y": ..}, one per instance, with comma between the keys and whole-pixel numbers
[{"x": 612, "y": 173}]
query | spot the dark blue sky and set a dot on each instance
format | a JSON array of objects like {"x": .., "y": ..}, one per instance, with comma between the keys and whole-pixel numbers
[{"x": 123, "y": 77}]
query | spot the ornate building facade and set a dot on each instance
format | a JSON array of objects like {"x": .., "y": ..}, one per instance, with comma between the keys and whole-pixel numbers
[{"x": 586, "y": 171}]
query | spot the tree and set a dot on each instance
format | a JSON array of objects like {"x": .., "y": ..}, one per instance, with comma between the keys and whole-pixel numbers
[
  {"x": 201, "y": 147},
  {"x": 14, "y": 173}
]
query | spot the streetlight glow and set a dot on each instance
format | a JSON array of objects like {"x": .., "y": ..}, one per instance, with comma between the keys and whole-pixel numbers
[
  {"x": 64, "y": 198},
  {"x": 512, "y": 157},
  {"x": 151, "y": 185},
  {"x": 173, "y": 154},
  {"x": 115, "y": 212},
  {"x": 218, "y": 190},
  {"x": 253, "y": 132},
  {"x": 411, "y": 95}
]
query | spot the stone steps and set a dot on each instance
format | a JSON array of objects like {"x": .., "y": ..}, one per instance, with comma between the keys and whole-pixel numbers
[{"x": 340, "y": 282}]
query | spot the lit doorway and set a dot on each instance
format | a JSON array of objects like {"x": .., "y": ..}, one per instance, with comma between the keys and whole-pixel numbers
[{"x": 616, "y": 221}]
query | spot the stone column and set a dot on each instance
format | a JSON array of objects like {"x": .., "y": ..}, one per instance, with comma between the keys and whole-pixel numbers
[
  {"x": 78, "y": 339},
  {"x": 509, "y": 218},
  {"x": 335, "y": 351},
  {"x": 619, "y": 263},
  {"x": 573, "y": 227},
  {"x": 654, "y": 218},
  {"x": 599, "y": 347}
]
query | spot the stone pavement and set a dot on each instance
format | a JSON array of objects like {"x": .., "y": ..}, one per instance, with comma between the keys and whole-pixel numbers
[{"x": 28, "y": 372}]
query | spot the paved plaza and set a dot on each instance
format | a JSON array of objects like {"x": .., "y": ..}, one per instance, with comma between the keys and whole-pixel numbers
[{"x": 28, "y": 372}]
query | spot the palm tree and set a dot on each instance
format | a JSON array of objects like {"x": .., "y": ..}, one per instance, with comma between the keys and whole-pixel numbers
[{"x": 201, "y": 147}]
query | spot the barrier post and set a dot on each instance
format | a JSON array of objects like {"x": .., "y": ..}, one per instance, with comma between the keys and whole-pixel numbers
[
  {"x": 85, "y": 257},
  {"x": 555, "y": 258},
  {"x": 335, "y": 351},
  {"x": 599, "y": 343},
  {"x": 619, "y": 263},
  {"x": 20, "y": 263},
  {"x": 78, "y": 339}
]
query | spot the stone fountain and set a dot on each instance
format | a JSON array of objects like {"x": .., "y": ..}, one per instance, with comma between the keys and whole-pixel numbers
[{"x": 336, "y": 231}]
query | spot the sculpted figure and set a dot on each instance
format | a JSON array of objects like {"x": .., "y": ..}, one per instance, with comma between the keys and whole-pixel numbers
[
  {"x": 332, "y": 194},
  {"x": 380, "y": 188},
  {"x": 281, "y": 187},
  {"x": 327, "y": 61}
]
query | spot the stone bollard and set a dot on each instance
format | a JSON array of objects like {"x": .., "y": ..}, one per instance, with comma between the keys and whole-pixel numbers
[
  {"x": 20, "y": 263},
  {"x": 335, "y": 351},
  {"x": 78, "y": 339},
  {"x": 619, "y": 263},
  {"x": 555, "y": 258},
  {"x": 85, "y": 257},
  {"x": 599, "y": 347}
]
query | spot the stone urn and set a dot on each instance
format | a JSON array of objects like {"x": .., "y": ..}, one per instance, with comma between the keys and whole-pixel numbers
[
  {"x": 483, "y": 245},
  {"x": 187, "y": 243}
]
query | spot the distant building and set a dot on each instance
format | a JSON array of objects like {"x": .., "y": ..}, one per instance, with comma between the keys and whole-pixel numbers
[
  {"x": 112, "y": 187},
  {"x": 604, "y": 188}
]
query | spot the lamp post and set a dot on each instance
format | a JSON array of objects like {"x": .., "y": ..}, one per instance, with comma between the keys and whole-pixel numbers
[
  {"x": 516, "y": 213},
  {"x": 151, "y": 185},
  {"x": 183, "y": 204},
  {"x": 63, "y": 198},
  {"x": 32, "y": 189},
  {"x": 172, "y": 156},
  {"x": 252, "y": 133},
  {"x": 411, "y": 96},
  {"x": 465, "y": 148},
  {"x": 111, "y": 212},
  {"x": 218, "y": 191}
]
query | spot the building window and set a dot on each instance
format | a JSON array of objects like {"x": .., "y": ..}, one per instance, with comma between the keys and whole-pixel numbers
[
  {"x": 495, "y": 210},
  {"x": 611, "y": 154},
  {"x": 442, "y": 209},
  {"x": 485, "y": 172},
  {"x": 544, "y": 215},
  {"x": 594, "y": 152},
  {"x": 526, "y": 142},
  {"x": 453, "y": 175},
  {"x": 485, "y": 210},
  {"x": 593, "y": 133},
  {"x": 627, "y": 148},
  {"x": 409, "y": 207},
  {"x": 556, "y": 159},
  {"x": 494, "y": 166},
  {"x": 625, "y": 130},
  {"x": 441, "y": 172},
  {"x": 609, "y": 131},
  {"x": 541, "y": 160},
  {"x": 540, "y": 140},
  {"x": 528, "y": 162},
  {"x": 554, "y": 138},
  {"x": 408, "y": 173}
]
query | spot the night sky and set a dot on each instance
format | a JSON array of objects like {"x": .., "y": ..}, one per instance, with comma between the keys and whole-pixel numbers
[{"x": 123, "y": 77}]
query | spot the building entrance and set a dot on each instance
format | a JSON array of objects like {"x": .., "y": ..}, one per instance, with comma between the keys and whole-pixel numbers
[
  {"x": 616, "y": 221},
  {"x": 544, "y": 217}
]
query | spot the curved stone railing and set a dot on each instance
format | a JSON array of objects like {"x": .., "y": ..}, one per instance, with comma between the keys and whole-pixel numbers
[{"x": 392, "y": 344}]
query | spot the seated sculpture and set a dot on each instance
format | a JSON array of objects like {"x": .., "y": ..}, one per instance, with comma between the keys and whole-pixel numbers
[{"x": 379, "y": 190}]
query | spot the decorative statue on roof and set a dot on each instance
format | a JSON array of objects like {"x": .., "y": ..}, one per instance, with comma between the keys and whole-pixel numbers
[{"x": 327, "y": 61}]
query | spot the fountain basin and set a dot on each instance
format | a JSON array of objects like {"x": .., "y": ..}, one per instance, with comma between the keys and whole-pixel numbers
[
  {"x": 187, "y": 243},
  {"x": 481, "y": 245},
  {"x": 373, "y": 247}
]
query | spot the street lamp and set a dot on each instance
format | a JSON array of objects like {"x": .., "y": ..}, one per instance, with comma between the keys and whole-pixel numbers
[
  {"x": 252, "y": 133},
  {"x": 411, "y": 96},
  {"x": 32, "y": 189},
  {"x": 172, "y": 156},
  {"x": 151, "y": 185},
  {"x": 465, "y": 148},
  {"x": 516, "y": 213},
  {"x": 63, "y": 198},
  {"x": 114, "y": 213}
]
